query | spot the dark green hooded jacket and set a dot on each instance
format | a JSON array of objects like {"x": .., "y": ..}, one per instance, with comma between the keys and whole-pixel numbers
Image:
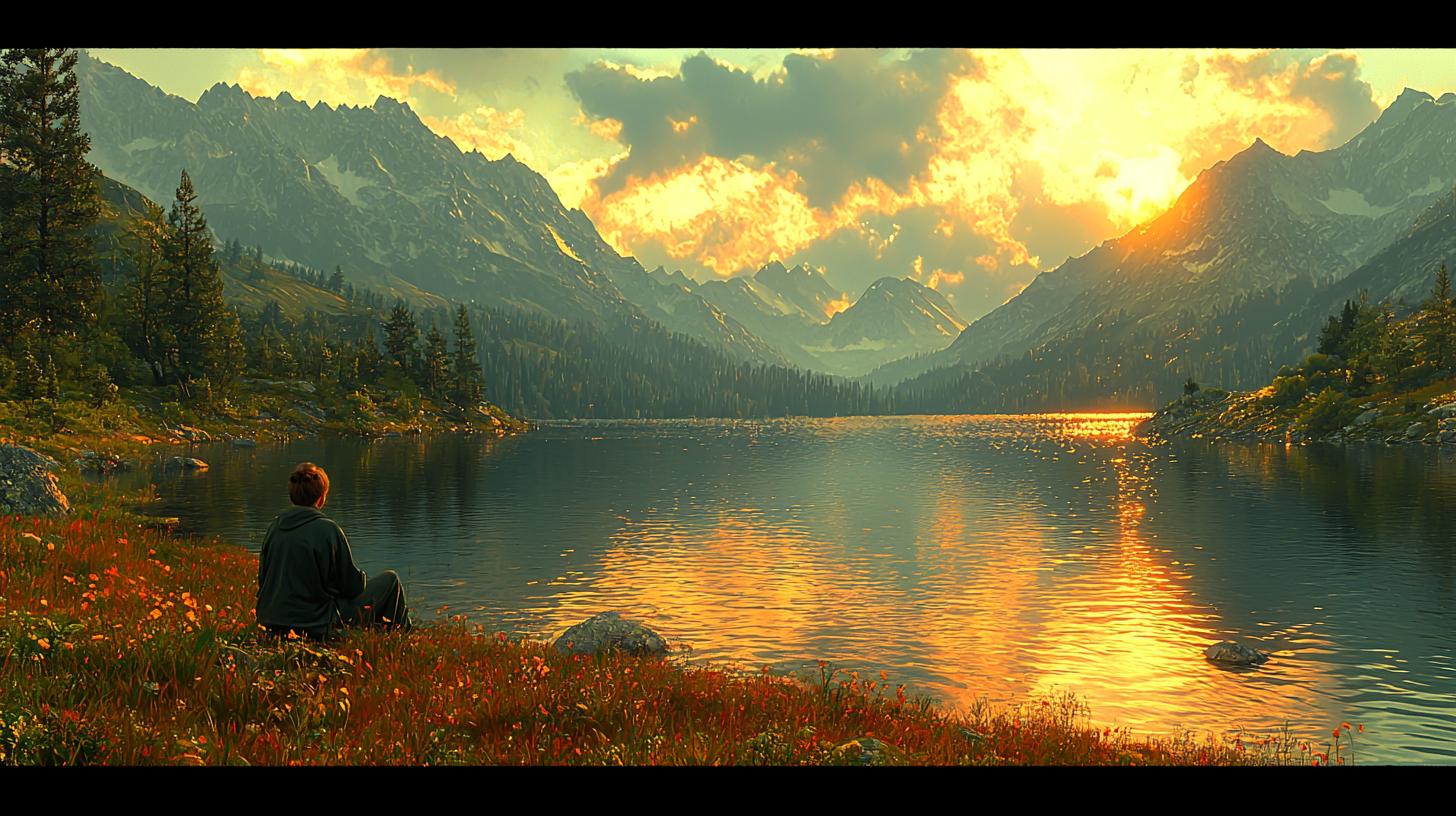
[{"x": 305, "y": 568}]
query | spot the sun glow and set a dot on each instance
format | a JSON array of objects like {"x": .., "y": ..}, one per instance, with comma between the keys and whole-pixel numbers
[{"x": 837, "y": 305}]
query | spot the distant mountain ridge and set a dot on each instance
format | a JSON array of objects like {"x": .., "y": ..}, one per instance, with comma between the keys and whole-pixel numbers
[
  {"x": 376, "y": 191},
  {"x": 1252, "y": 224},
  {"x": 818, "y": 327}
]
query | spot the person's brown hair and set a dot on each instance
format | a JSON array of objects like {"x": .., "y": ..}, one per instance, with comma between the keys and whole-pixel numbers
[{"x": 307, "y": 484}]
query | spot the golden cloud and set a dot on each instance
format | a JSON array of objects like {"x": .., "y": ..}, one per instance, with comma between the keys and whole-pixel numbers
[
  {"x": 485, "y": 129},
  {"x": 837, "y": 305},
  {"x": 1117, "y": 133},
  {"x": 337, "y": 76},
  {"x": 937, "y": 277},
  {"x": 725, "y": 214},
  {"x": 575, "y": 182}
]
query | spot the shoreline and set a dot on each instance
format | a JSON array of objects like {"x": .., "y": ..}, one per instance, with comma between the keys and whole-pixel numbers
[
  {"x": 64, "y": 581},
  {"x": 184, "y": 639},
  {"x": 1425, "y": 417}
]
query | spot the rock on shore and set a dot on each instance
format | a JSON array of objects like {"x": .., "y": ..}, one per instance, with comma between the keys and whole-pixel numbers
[
  {"x": 610, "y": 632},
  {"x": 28, "y": 486}
]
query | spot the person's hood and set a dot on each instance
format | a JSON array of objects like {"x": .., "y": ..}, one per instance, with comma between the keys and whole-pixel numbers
[{"x": 296, "y": 517}]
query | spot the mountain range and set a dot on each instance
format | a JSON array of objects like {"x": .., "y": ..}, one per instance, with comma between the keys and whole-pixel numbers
[
  {"x": 1365, "y": 215},
  {"x": 373, "y": 190},
  {"x": 818, "y": 327},
  {"x": 1232, "y": 281}
]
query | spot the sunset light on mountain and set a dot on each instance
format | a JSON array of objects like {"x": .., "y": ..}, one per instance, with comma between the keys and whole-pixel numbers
[{"x": 727, "y": 406}]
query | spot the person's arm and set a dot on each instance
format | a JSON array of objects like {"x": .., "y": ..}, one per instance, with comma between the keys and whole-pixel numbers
[
  {"x": 263, "y": 555},
  {"x": 349, "y": 579}
]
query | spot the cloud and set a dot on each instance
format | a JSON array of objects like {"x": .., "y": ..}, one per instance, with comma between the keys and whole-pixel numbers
[
  {"x": 492, "y": 132},
  {"x": 832, "y": 119},
  {"x": 1327, "y": 87},
  {"x": 348, "y": 76},
  {"x": 987, "y": 166},
  {"x": 725, "y": 214}
]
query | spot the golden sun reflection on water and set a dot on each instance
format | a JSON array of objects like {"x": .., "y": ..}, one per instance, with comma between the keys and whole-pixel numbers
[
  {"x": 1125, "y": 635},
  {"x": 975, "y": 595},
  {"x": 967, "y": 556}
]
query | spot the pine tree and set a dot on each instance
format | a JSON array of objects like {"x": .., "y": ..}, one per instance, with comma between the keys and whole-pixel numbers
[
  {"x": 49, "y": 202},
  {"x": 1437, "y": 330},
  {"x": 30, "y": 378},
  {"x": 145, "y": 330},
  {"x": 400, "y": 335},
  {"x": 203, "y": 327},
  {"x": 467, "y": 374},
  {"x": 336, "y": 280},
  {"x": 436, "y": 364}
]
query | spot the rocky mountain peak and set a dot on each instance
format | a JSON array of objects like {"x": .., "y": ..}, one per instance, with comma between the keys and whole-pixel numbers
[{"x": 771, "y": 269}]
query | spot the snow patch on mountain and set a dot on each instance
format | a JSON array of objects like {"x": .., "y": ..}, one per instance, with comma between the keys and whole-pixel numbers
[
  {"x": 346, "y": 182},
  {"x": 1352, "y": 202}
]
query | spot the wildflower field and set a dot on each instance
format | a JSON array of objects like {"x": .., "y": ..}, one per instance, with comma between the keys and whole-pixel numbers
[{"x": 121, "y": 644}]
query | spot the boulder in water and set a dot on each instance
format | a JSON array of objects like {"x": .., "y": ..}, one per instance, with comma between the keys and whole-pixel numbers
[
  {"x": 27, "y": 485},
  {"x": 610, "y": 632},
  {"x": 186, "y": 463},
  {"x": 1233, "y": 653}
]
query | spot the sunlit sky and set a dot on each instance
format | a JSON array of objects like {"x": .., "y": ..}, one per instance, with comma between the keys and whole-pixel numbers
[{"x": 969, "y": 170}]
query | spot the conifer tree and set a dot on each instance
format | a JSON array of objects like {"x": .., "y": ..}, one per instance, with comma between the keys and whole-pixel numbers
[
  {"x": 400, "y": 335},
  {"x": 49, "y": 202},
  {"x": 143, "y": 301},
  {"x": 436, "y": 362},
  {"x": 1437, "y": 332},
  {"x": 467, "y": 374},
  {"x": 204, "y": 329}
]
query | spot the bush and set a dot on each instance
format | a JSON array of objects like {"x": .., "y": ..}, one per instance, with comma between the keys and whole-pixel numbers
[
  {"x": 1322, "y": 363},
  {"x": 1289, "y": 390},
  {"x": 98, "y": 381},
  {"x": 1325, "y": 413}
]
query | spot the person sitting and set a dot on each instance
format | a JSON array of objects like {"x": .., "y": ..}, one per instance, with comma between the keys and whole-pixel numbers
[{"x": 308, "y": 585}]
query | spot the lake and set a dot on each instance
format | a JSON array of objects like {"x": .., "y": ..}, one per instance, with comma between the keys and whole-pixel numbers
[{"x": 995, "y": 556}]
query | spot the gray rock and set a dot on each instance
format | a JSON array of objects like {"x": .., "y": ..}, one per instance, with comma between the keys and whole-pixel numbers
[
  {"x": 1415, "y": 430},
  {"x": 1443, "y": 411},
  {"x": 186, "y": 463},
  {"x": 1233, "y": 653},
  {"x": 192, "y": 434},
  {"x": 1367, "y": 417},
  {"x": 27, "y": 484},
  {"x": 868, "y": 751},
  {"x": 610, "y": 632},
  {"x": 244, "y": 443},
  {"x": 100, "y": 463}
]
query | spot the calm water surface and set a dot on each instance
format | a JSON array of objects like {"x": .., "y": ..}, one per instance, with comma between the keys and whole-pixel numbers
[{"x": 968, "y": 556}]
